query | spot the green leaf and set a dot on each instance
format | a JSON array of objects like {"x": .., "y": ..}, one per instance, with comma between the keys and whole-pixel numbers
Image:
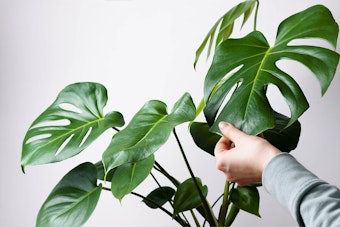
[
  {"x": 224, "y": 27},
  {"x": 101, "y": 172},
  {"x": 187, "y": 196},
  {"x": 203, "y": 137},
  {"x": 159, "y": 197},
  {"x": 73, "y": 199},
  {"x": 128, "y": 176},
  {"x": 246, "y": 198},
  {"x": 148, "y": 130},
  {"x": 69, "y": 125},
  {"x": 282, "y": 137},
  {"x": 249, "y": 65}
]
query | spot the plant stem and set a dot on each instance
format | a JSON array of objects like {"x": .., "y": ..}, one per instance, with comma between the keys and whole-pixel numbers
[
  {"x": 179, "y": 220},
  {"x": 225, "y": 204},
  {"x": 232, "y": 215},
  {"x": 256, "y": 13},
  {"x": 207, "y": 208},
  {"x": 166, "y": 174}
]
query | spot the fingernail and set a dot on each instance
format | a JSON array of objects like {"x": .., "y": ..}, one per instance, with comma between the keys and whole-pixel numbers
[{"x": 222, "y": 125}]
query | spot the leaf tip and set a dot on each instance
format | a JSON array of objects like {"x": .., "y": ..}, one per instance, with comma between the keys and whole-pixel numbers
[{"x": 23, "y": 169}]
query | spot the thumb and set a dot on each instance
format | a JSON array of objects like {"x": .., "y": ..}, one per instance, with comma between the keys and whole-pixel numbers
[{"x": 230, "y": 131}]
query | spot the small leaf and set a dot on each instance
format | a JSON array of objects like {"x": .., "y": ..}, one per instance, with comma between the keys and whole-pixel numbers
[
  {"x": 203, "y": 137},
  {"x": 72, "y": 200},
  {"x": 187, "y": 196},
  {"x": 282, "y": 137},
  {"x": 250, "y": 65},
  {"x": 148, "y": 130},
  {"x": 159, "y": 197},
  {"x": 128, "y": 176},
  {"x": 69, "y": 125},
  {"x": 246, "y": 198},
  {"x": 224, "y": 26}
]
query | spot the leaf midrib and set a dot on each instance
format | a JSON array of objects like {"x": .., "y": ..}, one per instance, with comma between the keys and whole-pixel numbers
[
  {"x": 64, "y": 135},
  {"x": 258, "y": 73},
  {"x": 81, "y": 199}
]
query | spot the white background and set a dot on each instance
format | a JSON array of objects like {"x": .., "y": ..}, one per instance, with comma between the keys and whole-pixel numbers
[{"x": 140, "y": 50}]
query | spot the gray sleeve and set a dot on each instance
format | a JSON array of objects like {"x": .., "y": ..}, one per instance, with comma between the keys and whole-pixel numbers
[{"x": 311, "y": 201}]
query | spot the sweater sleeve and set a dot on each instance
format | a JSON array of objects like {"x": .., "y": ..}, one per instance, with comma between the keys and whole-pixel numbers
[{"x": 311, "y": 201}]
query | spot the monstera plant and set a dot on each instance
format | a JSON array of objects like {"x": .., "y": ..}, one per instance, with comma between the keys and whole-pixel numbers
[{"x": 235, "y": 90}]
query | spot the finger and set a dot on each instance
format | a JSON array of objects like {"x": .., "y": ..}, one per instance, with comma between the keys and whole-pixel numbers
[
  {"x": 231, "y": 132},
  {"x": 222, "y": 145}
]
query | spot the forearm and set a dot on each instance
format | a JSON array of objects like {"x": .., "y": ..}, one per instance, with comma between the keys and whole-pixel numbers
[{"x": 311, "y": 201}]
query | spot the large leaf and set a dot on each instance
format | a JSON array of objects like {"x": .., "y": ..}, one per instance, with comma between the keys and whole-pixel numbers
[
  {"x": 282, "y": 137},
  {"x": 148, "y": 130},
  {"x": 128, "y": 176},
  {"x": 187, "y": 196},
  {"x": 250, "y": 64},
  {"x": 246, "y": 198},
  {"x": 69, "y": 125},
  {"x": 224, "y": 26},
  {"x": 73, "y": 199},
  {"x": 159, "y": 197}
]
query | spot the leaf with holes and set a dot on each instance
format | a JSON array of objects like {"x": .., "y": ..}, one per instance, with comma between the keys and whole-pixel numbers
[
  {"x": 249, "y": 65},
  {"x": 73, "y": 199},
  {"x": 148, "y": 130},
  {"x": 69, "y": 125},
  {"x": 224, "y": 26}
]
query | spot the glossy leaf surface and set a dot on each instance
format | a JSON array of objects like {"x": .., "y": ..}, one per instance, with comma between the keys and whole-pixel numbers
[
  {"x": 73, "y": 199},
  {"x": 246, "y": 198},
  {"x": 128, "y": 176},
  {"x": 284, "y": 138},
  {"x": 223, "y": 28},
  {"x": 249, "y": 64},
  {"x": 159, "y": 197},
  {"x": 187, "y": 196},
  {"x": 148, "y": 130},
  {"x": 69, "y": 125},
  {"x": 203, "y": 137}
]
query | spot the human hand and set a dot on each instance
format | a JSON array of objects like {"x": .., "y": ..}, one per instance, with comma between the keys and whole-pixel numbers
[{"x": 242, "y": 157}]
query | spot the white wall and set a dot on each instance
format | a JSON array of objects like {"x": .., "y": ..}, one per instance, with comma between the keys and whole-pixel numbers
[{"x": 140, "y": 50}]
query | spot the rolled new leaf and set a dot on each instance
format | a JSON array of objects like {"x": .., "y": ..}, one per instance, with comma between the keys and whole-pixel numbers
[
  {"x": 148, "y": 130},
  {"x": 72, "y": 200},
  {"x": 248, "y": 65},
  {"x": 69, "y": 125}
]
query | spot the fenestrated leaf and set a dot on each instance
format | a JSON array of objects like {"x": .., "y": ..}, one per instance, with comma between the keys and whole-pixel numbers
[
  {"x": 148, "y": 130},
  {"x": 187, "y": 196},
  {"x": 282, "y": 137},
  {"x": 250, "y": 65},
  {"x": 159, "y": 197},
  {"x": 224, "y": 26},
  {"x": 69, "y": 125},
  {"x": 73, "y": 199},
  {"x": 128, "y": 176},
  {"x": 203, "y": 137},
  {"x": 246, "y": 198}
]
